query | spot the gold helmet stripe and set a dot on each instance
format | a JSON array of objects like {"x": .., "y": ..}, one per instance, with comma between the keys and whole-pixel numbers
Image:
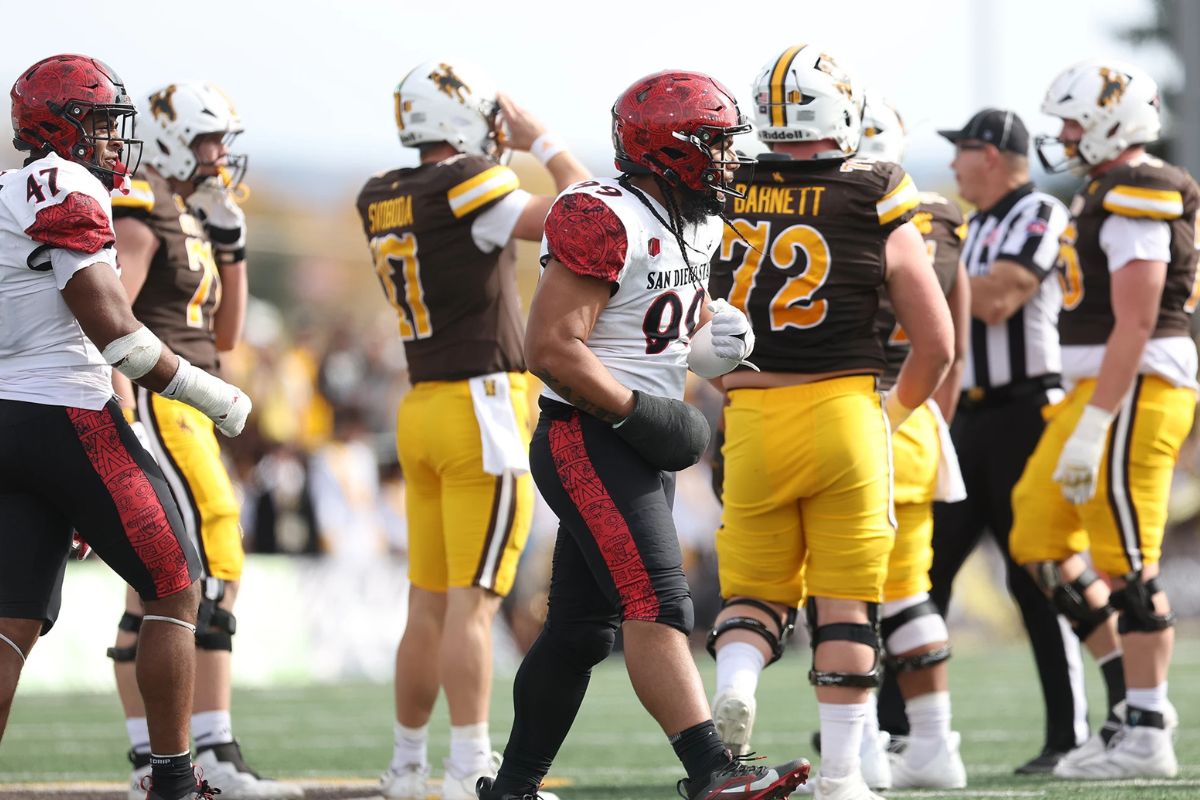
[{"x": 782, "y": 65}]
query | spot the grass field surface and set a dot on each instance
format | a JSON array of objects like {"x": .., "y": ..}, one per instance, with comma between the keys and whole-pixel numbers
[{"x": 337, "y": 739}]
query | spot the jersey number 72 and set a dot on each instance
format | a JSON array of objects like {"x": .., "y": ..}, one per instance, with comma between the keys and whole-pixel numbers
[{"x": 792, "y": 305}]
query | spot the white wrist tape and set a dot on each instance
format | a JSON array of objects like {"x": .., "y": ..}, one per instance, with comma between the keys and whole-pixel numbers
[
  {"x": 546, "y": 147},
  {"x": 134, "y": 354},
  {"x": 1094, "y": 423},
  {"x": 206, "y": 393}
]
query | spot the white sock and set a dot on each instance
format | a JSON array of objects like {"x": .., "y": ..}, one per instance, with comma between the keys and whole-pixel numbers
[
  {"x": 841, "y": 738},
  {"x": 871, "y": 723},
  {"x": 929, "y": 726},
  {"x": 1154, "y": 699},
  {"x": 470, "y": 748},
  {"x": 212, "y": 727},
  {"x": 411, "y": 746},
  {"x": 139, "y": 735},
  {"x": 738, "y": 667}
]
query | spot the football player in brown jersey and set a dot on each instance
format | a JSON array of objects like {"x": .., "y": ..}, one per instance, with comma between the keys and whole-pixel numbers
[
  {"x": 925, "y": 469},
  {"x": 1129, "y": 289},
  {"x": 813, "y": 519},
  {"x": 440, "y": 235},
  {"x": 182, "y": 241}
]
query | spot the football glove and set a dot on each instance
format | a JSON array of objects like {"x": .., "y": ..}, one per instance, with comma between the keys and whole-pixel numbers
[
  {"x": 1079, "y": 463},
  {"x": 223, "y": 219},
  {"x": 669, "y": 434},
  {"x": 732, "y": 336}
]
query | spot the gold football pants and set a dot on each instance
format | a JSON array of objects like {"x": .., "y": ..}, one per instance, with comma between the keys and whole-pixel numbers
[
  {"x": 184, "y": 442},
  {"x": 465, "y": 527},
  {"x": 1122, "y": 525},
  {"x": 807, "y": 493}
]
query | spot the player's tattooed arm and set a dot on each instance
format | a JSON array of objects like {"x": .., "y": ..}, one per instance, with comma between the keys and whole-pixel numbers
[
  {"x": 576, "y": 399},
  {"x": 561, "y": 318}
]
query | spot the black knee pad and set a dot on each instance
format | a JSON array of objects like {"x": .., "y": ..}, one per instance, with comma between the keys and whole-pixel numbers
[
  {"x": 776, "y": 639},
  {"x": 1069, "y": 599},
  {"x": 860, "y": 633},
  {"x": 584, "y": 643},
  {"x": 222, "y": 625},
  {"x": 130, "y": 623},
  {"x": 1136, "y": 604}
]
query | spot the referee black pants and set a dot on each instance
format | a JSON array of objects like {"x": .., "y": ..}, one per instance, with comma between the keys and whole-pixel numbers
[{"x": 993, "y": 444}]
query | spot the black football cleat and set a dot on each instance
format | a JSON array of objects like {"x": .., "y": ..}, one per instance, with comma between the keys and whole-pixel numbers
[
  {"x": 740, "y": 781},
  {"x": 1041, "y": 764},
  {"x": 483, "y": 790}
]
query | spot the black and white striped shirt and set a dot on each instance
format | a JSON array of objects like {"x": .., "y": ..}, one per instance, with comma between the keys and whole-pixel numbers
[{"x": 1024, "y": 227}]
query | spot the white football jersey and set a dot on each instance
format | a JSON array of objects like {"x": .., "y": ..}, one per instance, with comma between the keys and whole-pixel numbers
[
  {"x": 602, "y": 229},
  {"x": 55, "y": 219}
]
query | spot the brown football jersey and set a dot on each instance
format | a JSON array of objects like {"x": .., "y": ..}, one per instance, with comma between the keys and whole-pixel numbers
[
  {"x": 809, "y": 261},
  {"x": 183, "y": 286},
  {"x": 460, "y": 314},
  {"x": 941, "y": 225},
  {"x": 1146, "y": 188}
]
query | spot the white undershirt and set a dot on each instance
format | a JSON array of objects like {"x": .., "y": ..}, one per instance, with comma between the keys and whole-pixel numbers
[
  {"x": 494, "y": 228},
  {"x": 1173, "y": 358}
]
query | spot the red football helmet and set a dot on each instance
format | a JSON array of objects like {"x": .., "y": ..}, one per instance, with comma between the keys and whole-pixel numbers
[
  {"x": 667, "y": 124},
  {"x": 53, "y": 98}
]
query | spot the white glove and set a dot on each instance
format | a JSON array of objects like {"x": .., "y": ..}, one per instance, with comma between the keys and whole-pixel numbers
[
  {"x": 1079, "y": 462},
  {"x": 732, "y": 336},
  {"x": 139, "y": 430},
  {"x": 223, "y": 218}
]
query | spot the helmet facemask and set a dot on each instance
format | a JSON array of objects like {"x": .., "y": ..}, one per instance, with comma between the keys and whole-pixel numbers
[
  {"x": 117, "y": 121},
  {"x": 1058, "y": 156}
]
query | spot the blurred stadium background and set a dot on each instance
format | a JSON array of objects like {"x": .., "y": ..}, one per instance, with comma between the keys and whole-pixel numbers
[{"x": 323, "y": 599}]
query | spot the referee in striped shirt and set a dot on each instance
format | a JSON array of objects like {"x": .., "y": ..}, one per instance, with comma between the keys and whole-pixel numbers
[{"x": 1012, "y": 371}]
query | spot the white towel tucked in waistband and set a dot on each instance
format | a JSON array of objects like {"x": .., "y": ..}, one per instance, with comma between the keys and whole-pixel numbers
[
  {"x": 503, "y": 446},
  {"x": 950, "y": 486}
]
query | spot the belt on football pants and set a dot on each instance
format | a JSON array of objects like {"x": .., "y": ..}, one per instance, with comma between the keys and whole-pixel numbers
[{"x": 977, "y": 398}]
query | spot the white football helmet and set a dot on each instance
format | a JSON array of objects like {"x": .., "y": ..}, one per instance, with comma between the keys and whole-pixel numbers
[
  {"x": 883, "y": 134},
  {"x": 440, "y": 102},
  {"x": 802, "y": 95},
  {"x": 1117, "y": 104},
  {"x": 171, "y": 119}
]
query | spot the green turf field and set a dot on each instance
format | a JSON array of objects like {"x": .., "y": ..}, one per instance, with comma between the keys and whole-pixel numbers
[{"x": 615, "y": 751}]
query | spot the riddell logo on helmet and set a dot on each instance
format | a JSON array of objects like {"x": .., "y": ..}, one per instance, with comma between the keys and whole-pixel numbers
[{"x": 781, "y": 136}]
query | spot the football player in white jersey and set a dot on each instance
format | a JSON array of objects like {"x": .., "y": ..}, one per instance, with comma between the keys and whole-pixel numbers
[
  {"x": 619, "y": 315},
  {"x": 68, "y": 459}
]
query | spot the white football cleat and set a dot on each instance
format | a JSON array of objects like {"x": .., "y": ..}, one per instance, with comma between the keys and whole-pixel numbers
[
  {"x": 941, "y": 765},
  {"x": 851, "y": 787},
  {"x": 1097, "y": 743},
  {"x": 876, "y": 768},
  {"x": 733, "y": 714},
  {"x": 136, "y": 792},
  {"x": 237, "y": 781},
  {"x": 1133, "y": 752},
  {"x": 410, "y": 782},
  {"x": 462, "y": 787}
]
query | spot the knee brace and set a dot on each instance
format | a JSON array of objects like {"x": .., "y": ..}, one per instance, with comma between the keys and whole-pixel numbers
[
  {"x": 1135, "y": 601},
  {"x": 585, "y": 643},
  {"x": 1069, "y": 598},
  {"x": 215, "y": 626},
  {"x": 130, "y": 623},
  {"x": 856, "y": 632},
  {"x": 916, "y": 626},
  {"x": 776, "y": 640}
]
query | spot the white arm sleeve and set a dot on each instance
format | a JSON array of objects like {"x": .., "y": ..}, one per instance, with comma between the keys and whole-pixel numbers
[
  {"x": 67, "y": 262},
  {"x": 494, "y": 227},
  {"x": 1124, "y": 239}
]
